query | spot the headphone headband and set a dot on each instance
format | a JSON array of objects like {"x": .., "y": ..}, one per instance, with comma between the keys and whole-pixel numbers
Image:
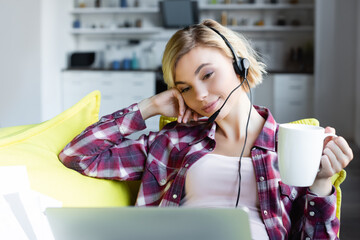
[
  {"x": 226, "y": 42},
  {"x": 241, "y": 65}
]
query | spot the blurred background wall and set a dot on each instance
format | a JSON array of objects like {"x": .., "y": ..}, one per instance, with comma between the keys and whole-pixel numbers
[
  {"x": 337, "y": 76},
  {"x": 20, "y": 64},
  {"x": 35, "y": 41}
]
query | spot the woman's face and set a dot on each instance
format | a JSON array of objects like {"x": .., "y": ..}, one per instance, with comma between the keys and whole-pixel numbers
[{"x": 205, "y": 77}]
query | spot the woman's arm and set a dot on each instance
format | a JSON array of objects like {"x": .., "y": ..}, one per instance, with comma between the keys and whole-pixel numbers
[
  {"x": 317, "y": 209},
  {"x": 103, "y": 149}
]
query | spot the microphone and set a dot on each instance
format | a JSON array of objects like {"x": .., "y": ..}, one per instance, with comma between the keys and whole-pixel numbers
[{"x": 212, "y": 118}]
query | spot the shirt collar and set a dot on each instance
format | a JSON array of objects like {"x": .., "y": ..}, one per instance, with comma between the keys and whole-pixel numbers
[
  {"x": 206, "y": 130},
  {"x": 265, "y": 140},
  {"x": 268, "y": 135}
]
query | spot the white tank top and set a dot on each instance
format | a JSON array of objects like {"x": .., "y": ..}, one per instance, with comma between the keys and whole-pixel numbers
[{"x": 213, "y": 182}]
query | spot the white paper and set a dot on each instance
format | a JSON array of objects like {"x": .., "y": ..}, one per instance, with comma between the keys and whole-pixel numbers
[
  {"x": 19, "y": 210},
  {"x": 13, "y": 179},
  {"x": 43, "y": 229},
  {"x": 10, "y": 228},
  {"x": 23, "y": 206}
]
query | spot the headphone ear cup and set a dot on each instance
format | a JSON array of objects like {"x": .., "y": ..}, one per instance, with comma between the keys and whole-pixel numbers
[
  {"x": 245, "y": 65},
  {"x": 238, "y": 68}
]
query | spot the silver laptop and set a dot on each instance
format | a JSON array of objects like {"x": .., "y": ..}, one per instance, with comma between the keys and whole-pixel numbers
[{"x": 131, "y": 223}]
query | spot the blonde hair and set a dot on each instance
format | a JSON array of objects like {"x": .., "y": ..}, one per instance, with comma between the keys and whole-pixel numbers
[{"x": 190, "y": 37}]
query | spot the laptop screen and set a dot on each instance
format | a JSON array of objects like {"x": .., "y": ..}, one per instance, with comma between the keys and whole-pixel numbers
[{"x": 149, "y": 223}]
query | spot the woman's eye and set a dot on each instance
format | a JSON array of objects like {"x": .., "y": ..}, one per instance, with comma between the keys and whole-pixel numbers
[
  {"x": 208, "y": 75},
  {"x": 184, "y": 90}
]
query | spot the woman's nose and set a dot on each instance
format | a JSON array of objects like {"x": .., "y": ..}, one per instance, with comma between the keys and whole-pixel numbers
[{"x": 201, "y": 92}]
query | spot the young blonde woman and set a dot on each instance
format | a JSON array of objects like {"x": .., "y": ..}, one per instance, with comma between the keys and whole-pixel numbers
[{"x": 195, "y": 162}]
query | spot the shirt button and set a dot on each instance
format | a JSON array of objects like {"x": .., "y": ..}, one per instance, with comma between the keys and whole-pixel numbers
[
  {"x": 312, "y": 203},
  {"x": 312, "y": 213},
  {"x": 265, "y": 212},
  {"x": 307, "y": 238},
  {"x": 186, "y": 165},
  {"x": 163, "y": 181},
  {"x": 174, "y": 196},
  {"x": 262, "y": 178}
]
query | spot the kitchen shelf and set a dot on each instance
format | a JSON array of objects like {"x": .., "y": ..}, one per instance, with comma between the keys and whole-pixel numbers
[
  {"x": 101, "y": 31},
  {"x": 169, "y": 32},
  {"x": 272, "y": 28},
  {"x": 153, "y": 9},
  {"x": 257, "y": 6},
  {"x": 210, "y": 7},
  {"x": 270, "y": 71},
  {"x": 115, "y": 10}
]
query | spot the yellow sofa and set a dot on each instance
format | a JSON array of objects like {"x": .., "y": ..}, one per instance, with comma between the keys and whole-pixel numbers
[{"x": 37, "y": 147}]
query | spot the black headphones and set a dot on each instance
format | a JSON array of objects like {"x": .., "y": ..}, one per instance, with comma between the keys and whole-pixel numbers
[{"x": 241, "y": 65}]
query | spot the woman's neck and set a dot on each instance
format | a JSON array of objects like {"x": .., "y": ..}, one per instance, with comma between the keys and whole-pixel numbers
[{"x": 233, "y": 126}]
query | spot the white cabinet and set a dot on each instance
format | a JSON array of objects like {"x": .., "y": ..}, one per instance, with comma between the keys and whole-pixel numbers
[
  {"x": 263, "y": 94},
  {"x": 118, "y": 89},
  {"x": 288, "y": 96},
  {"x": 293, "y": 97}
]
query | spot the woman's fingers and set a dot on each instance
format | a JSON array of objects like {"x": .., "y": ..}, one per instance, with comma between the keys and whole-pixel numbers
[
  {"x": 333, "y": 161},
  {"x": 345, "y": 149},
  {"x": 180, "y": 104},
  {"x": 329, "y": 130},
  {"x": 187, "y": 115},
  {"x": 326, "y": 169},
  {"x": 195, "y": 116},
  {"x": 337, "y": 154},
  {"x": 340, "y": 150}
]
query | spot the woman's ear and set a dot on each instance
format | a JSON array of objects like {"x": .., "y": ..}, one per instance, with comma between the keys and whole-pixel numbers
[{"x": 240, "y": 78}]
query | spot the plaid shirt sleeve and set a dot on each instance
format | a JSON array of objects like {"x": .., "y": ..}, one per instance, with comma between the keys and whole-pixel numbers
[
  {"x": 289, "y": 212},
  {"x": 317, "y": 217},
  {"x": 103, "y": 151}
]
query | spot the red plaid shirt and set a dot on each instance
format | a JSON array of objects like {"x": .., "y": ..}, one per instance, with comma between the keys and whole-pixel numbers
[{"x": 161, "y": 160}]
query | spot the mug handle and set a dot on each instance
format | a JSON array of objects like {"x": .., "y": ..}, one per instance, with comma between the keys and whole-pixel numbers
[{"x": 326, "y": 135}]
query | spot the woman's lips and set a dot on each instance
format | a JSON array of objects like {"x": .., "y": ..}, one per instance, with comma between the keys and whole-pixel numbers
[{"x": 210, "y": 107}]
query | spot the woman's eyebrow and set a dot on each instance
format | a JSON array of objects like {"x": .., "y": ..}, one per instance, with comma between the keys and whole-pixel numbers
[
  {"x": 200, "y": 67},
  {"x": 179, "y": 82},
  {"x": 196, "y": 73}
]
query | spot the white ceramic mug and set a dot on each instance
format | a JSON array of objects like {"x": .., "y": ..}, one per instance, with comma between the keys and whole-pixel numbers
[{"x": 299, "y": 152}]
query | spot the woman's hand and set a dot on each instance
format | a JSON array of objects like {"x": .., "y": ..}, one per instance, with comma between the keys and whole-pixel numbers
[
  {"x": 336, "y": 156},
  {"x": 169, "y": 103}
]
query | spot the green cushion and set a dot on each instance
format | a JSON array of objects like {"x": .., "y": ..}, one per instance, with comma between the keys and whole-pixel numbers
[{"x": 37, "y": 147}]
